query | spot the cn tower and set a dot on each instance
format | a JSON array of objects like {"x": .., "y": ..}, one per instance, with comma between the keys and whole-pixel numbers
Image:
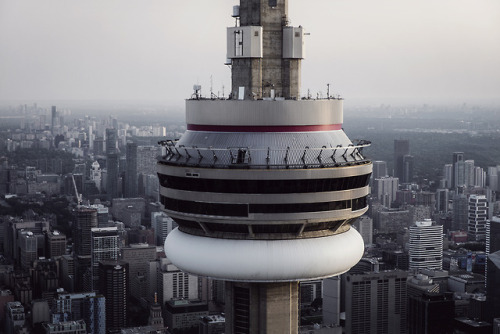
[{"x": 264, "y": 185}]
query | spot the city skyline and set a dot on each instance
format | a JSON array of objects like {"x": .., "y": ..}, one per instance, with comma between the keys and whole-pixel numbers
[{"x": 388, "y": 52}]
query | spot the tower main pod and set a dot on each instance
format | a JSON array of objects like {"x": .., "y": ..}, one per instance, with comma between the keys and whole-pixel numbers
[{"x": 264, "y": 185}]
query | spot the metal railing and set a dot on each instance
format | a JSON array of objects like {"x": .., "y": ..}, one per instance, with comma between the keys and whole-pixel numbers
[{"x": 246, "y": 157}]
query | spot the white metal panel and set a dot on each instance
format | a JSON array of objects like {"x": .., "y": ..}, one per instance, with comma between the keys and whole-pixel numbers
[
  {"x": 265, "y": 260},
  {"x": 293, "y": 43},
  {"x": 244, "y": 42},
  {"x": 265, "y": 113}
]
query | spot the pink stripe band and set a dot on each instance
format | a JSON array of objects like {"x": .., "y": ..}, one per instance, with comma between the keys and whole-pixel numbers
[{"x": 264, "y": 128}]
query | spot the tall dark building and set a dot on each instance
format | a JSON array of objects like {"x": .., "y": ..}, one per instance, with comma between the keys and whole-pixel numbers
[
  {"x": 131, "y": 172},
  {"x": 401, "y": 148},
  {"x": 85, "y": 220},
  {"x": 492, "y": 272},
  {"x": 114, "y": 285},
  {"x": 112, "y": 159},
  {"x": 112, "y": 176},
  {"x": 431, "y": 313},
  {"x": 408, "y": 162},
  {"x": 262, "y": 183},
  {"x": 376, "y": 302},
  {"x": 53, "y": 118},
  {"x": 111, "y": 141},
  {"x": 458, "y": 170}
]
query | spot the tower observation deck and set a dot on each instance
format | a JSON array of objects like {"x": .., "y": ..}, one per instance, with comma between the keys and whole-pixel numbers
[{"x": 264, "y": 185}]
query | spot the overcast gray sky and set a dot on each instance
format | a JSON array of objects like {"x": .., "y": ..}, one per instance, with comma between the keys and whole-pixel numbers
[{"x": 385, "y": 50}]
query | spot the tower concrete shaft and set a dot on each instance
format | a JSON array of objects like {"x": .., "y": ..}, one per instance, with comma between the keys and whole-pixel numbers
[
  {"x": 275, "y": 72},
  {"x": 254, "y": 308}
]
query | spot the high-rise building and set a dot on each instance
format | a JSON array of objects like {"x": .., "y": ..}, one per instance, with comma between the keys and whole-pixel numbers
[
  {"x": 493, "y": 179},
  {"x": 85, "y": 220},
  {"x": 364, "y": 225},
  {"x": 28, "y": 249},
  {"x": 448, "y": 175},
  {"x": 114, "y": 285},
  {"x": 408, "y": 162},
  {"x": 96, "y": 175},
  {"x": 385, "y": 189},
  {"x": 105, "y": 246},
  {"x": 14, "y": 316},
  {"x": 479, "y": 177},
  {"x": 426, "y": 245},
  {"x": 174, "y": 284},
  {"x": 431, "y": 313},
  {"x": 131, "y": 173},
  {"x": 469, "y": 173},
  {"x": 492, "y": 271},
  {"x": 146, "y": 158},
  {"x": 162, "y": 225},
  {"x": 13, "y": 231},
  {"x": 53, "y": 118},
  {"x": 102, "y": 215},
  {"x": 379, "y": 169},
  {"x": 477, "y": 217},
  {"x": 401, "y": 148},
  {"x": 442, "y": 199},
  {"x": 56, "y": 244},
  {"x": 376, "y": 302},
  {"x": 458, "y": 171},
  {"x": 45, "y": 278},
  {"x": 111, "y": 141},
  {"x": 138, "y": 257},
  {"x": 263, "y": 182},
  {"x": 147, "y": 178},
  {"x": 112, "y": 158},
  {"x": 331, "y": 301},
  {"x": 111, "y": 176},
  {"x": 460, "y": 212},
  {"x": 67, "y": 272},
  {"x": 87, "y": 306}
]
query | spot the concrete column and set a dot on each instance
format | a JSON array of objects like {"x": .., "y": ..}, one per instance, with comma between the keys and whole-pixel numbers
[{"x": 262, "y": 308}]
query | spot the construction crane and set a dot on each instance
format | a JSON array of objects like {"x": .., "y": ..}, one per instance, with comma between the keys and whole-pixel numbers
[{"x": 78, "y": 196}]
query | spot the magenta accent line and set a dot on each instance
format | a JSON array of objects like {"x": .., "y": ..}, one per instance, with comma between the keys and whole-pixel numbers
[{"x": 264, "y": 128}]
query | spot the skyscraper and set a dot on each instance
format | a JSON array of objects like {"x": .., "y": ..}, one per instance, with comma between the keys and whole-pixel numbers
[
  {"x": 264, "y": 185},
  {"x": 379, "y": 169},
  {"x": 111, "y": 163},
  {"x": 492, "y": 271},
  {"x": 442, "y": 198},
  {"x": 460, "y": 207},
  {"x": 138, "y": 256},
  {"x": 53, "y": 118},
  {"x": 14, "y": 316},
  {"x": 87, "y": 306},
  {"x": 131, "y": 174},
  {"x": 113, "y": 278},
  {"x": 105, "y": 246},
  {"x": 408, "y": 162},
  {"x": 56, "y": 244},
  {"x": 401, "y": 148},
  {"x": 384, "y": 189},
  {"x": 426, "y": 245},
  {"x": 85, "y": 220},
  {"x": 458, "y": 171},
  {"x": 376, "y": 302},
  {"x": 477, "y": 217}
]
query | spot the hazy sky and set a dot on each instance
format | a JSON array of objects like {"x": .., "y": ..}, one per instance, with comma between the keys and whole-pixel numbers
[{"x": 425, "y": 50}]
